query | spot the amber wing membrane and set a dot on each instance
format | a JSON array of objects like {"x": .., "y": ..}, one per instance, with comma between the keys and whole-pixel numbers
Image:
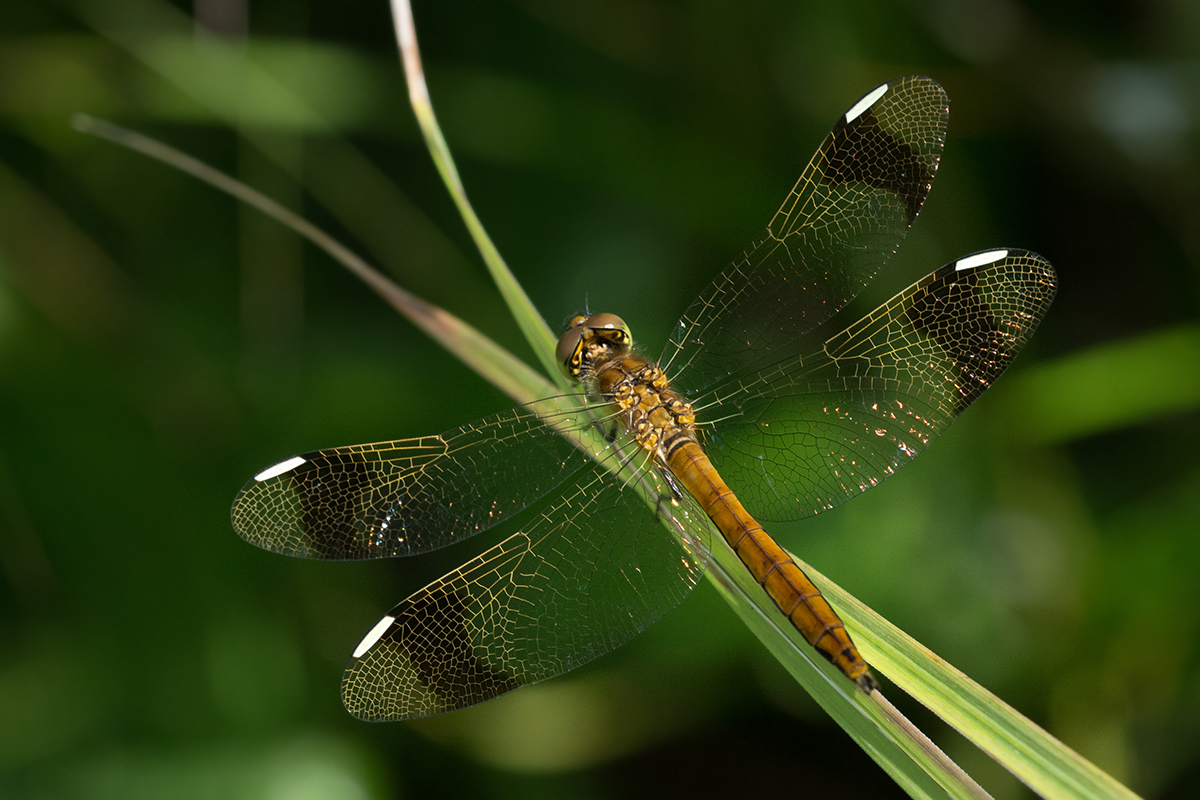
[
  {"x": 840, "y": 224},
  {"x": 813, "y": 430},
  {"x": 412, "y": 495},
  {"x": 584, "y": 576},
  {"x": 794, "y": 423}
]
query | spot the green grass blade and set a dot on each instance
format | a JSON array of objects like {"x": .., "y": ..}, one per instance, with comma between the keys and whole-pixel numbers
[
  {"x": 528, "y": 319},
  {"x": 1039, "y": 760},
  {"x": 901, "y": 750},
  {"x": 492, "y": 362}
]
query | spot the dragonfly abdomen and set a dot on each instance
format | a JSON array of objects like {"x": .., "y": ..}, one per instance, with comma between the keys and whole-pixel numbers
[
  {"x": 773, "y": 569},
  {"x": 662, "y": 423}
]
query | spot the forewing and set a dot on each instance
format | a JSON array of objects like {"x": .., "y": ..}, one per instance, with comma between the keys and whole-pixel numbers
[
  {"x": 412, "y": 495},
  {"x": 591, "y": 572},
  {"x": 812, "y": 431},
  {"x": 836, "y": 229}
]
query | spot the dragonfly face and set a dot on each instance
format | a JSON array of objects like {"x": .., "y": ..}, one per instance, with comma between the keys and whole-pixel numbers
[
  {"x": 794, "y": 421},
  {"x": 590, "y": 340}
]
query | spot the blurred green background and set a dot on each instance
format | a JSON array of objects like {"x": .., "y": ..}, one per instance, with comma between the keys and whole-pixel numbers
[{"x": 159, "y": 344}]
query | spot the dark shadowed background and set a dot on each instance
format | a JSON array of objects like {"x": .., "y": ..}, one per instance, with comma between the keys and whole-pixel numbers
[{"x": 160, "y": 343}]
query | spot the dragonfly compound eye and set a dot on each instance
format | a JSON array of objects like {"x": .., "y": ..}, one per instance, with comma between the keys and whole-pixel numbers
[
  {"x": 569, "y": 353},
  {"x": 609, "y": 326}
]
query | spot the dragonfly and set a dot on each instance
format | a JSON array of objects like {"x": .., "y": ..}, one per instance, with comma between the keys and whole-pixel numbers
[{"x": 605, "y": 501}]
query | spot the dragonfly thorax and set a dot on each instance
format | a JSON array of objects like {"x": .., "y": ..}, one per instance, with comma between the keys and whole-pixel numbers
[{"x": 658, "y": 416}]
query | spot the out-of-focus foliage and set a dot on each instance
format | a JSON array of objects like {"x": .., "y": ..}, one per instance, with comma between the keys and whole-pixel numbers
[{"x": 159, "y": 344}]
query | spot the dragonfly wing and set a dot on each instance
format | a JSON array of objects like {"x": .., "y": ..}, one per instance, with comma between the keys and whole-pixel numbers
[
  {"x": 836, "y": 229},
  {"x": 591, "y": 572},
  {"x": 412, "y": 495},
  {"x": 815, "y": 430}
]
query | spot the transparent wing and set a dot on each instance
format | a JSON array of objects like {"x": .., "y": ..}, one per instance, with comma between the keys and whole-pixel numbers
[
  {"x": 814, "y": 430},
  {"x": 586, "y": 576},
  {"x": 836, "y": 229},
  {"x": 794, "y": 426},
  {"x": 412, "y": 495}
]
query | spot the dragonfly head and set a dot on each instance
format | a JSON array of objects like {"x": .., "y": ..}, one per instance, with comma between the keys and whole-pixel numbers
[{"x": 589, "y": 341}]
